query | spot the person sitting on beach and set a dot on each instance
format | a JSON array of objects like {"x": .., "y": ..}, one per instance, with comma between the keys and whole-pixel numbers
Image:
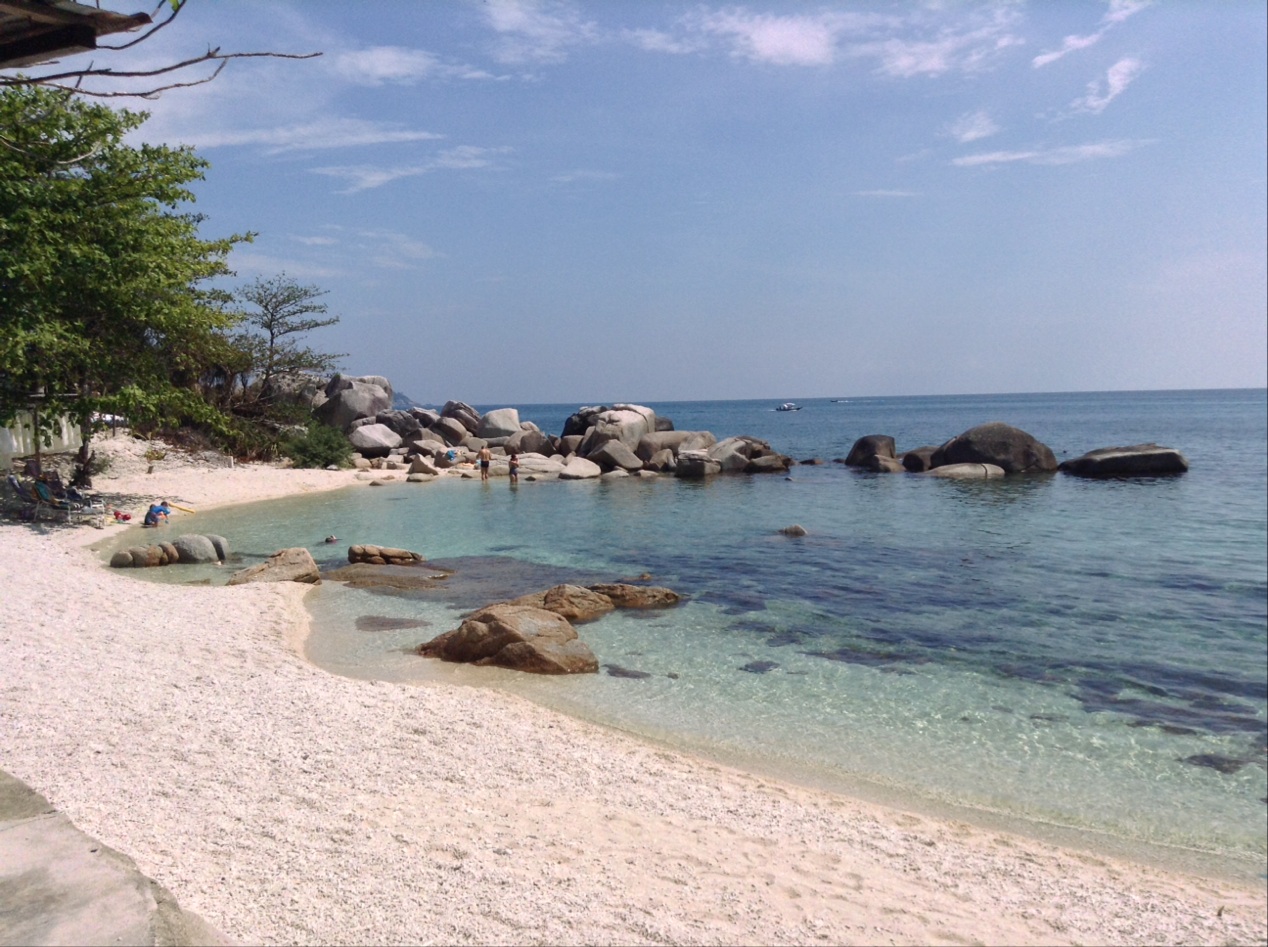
[
  {"x": 485, "y": 457},
  {"x": 514, "y": 464},
  {"x": 157, "y": 513}
]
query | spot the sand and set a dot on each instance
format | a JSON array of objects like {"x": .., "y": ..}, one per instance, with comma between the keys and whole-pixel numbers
[{"x": 287, "y": 805}]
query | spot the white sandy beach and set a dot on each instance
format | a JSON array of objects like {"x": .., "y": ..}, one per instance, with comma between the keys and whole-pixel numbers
[{"x": 180, "y": 725}]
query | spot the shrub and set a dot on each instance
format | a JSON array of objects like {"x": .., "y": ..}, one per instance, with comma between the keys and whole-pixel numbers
[{"x": 319, "y": 446}]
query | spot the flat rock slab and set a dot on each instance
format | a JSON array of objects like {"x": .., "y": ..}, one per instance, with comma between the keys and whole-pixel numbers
[
  {"x": 60, "y": 886},
  {"x": 1139, "y": 460}
]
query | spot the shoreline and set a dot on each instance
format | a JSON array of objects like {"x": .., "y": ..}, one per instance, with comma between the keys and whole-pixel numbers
[{"x": 284, "y": 803}]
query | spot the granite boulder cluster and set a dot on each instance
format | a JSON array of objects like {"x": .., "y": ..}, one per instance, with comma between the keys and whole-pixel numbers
[{"x": 618, "y": 440}]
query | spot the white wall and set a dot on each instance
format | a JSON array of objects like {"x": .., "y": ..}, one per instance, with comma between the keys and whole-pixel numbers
[{"x": 19, "y": 440}]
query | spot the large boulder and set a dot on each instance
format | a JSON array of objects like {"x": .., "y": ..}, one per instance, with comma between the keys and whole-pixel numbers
[
  {"x": 402, "y": 422},
  {"x": 529, "y": 442},
  {"x": 1139, "y": 460},
  {"x": 374, "y": 440},
  {"x": 967, "y": 472},
  {"x": 663, "y": 461},
  {"x": 350, "y": 398},
  {"x": 383, "y": 555},
  {"x": 732, "y": 454},
  {"x": 425, "y": 416},
  {"x": 615, "y": 456},
  {"x": 581, "y": 420},
  {"x": 463, "y": 413},
  {"x": 194, "y": 548},
  {"x": 1003, "y": 445},
  {"x": 868, "y": 447},
  {"x": 451, "y": 430},
  {"x": 502, "y": 422},
  {"x": 574, "y": 602},
  {"x": 578, "y": 468},
  {"x": 695, "y": 465},
  {"x": 285, "y": 565},
  {"x": 768, "y": 463},
  {"x": 627, "y": 423},
  {"x": 918, "y": 459},
  {"x": 652, "y": 443},
  {"x": 519, "y": 637}
]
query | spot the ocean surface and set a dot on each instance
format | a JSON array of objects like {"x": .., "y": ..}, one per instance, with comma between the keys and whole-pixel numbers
[{"x": 1085, "y": 659}]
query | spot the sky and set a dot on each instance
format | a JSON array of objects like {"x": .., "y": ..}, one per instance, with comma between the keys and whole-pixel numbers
[{"x": 525, "y": 201}]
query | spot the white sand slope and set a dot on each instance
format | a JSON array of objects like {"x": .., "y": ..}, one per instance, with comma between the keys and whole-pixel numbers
[{"x": 286, "y": 805}]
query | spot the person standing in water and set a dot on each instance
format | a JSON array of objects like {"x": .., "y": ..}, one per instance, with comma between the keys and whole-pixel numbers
[
  {"x": 485, "y": 457},
  {"x": 515, "y": 468}
]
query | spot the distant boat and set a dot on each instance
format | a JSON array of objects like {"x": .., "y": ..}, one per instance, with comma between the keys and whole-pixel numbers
[{"x": 788, "y": 406}]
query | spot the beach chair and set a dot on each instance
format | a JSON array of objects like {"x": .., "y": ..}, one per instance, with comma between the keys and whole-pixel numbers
[
  {"x": 69, "y": 510},
  {"x": 23, "y": 498}
]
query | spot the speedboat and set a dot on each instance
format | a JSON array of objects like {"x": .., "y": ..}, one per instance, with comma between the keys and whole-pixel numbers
[{"x": 788, "y": 406}]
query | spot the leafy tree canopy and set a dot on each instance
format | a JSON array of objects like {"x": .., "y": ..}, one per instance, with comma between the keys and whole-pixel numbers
[{"x": 104, "y": 305}]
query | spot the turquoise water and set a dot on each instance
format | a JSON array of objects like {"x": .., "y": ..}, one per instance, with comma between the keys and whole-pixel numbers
[{"x": 1069, "y": 653}]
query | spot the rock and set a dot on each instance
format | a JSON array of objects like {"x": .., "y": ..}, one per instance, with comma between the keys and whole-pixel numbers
[
  {"x": 384, "y": 555},
  {"x": 624, "y": 595},
  {"x": 1007, "y": 447},
  {"x": 502, "y": 422},
  {"x": 350, "y": 398},
  {"x": 868, "y": 447},
  {"x": 663, "y": 460},
  {"x": 172, "y": 554},
  {"x": 573, "y": 602},
  {"x": 402, "y": 422},
  {"x": 451, "y": 431},
  {"x": 615, "y": 455},
  {"x": 374, "y": 440},
  {"x": 627, "y": 423},
  {"x": 192, "y": 548},
  {"x": 967, "y": 472},
  {"x": 918, "y": 460},
  {"x": 420, "y": 466},
  {"x": 519, "y": 637},
  {"x": 364, "y": 575},
  {"x": 615, "y": 670},
  {"x": 569, "y": 443},
  {"x": 578, "y": 468},
  {"x": 425, "y": 416},
  {"x": 673, "y": 441},
  {"x": 463, "y": 413},
  {"x": 121, "y": 560},
  {"x": 794, "y": 530},
  {"x": 285, "y": 565},
  {"x": 695, "y": 464},
  {"x": 881, "y": 464},
  {"x": 1140, "y": 460},
  {"x": 812, "y": 462},
  {"x": 731, "y": 454},
  {"x": 529, "y": 442},
  {"x": 767, "y": 463}
]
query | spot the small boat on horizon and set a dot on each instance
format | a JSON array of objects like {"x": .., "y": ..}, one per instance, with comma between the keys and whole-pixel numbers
[{"x": 788, "y": 406}]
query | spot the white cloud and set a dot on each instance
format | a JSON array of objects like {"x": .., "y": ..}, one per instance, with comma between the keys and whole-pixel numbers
[
  {"x": 1118, "y": 12},
  {"x": 311, "y": 136},
  {"x": 252, "y": 263},
  {"x": 366, "y": 177},
  {"x": 783, "y": 40},
  {"x": 972, "y": 126},
  {"x": 315, "y": 241},
  {"x": 536, "y": 30},
  {"x": 392, "y": 250},
  {"x": 1117, "y": 79},
  {"x": 658, "y": 41},
  {"x": 1069, "y": 154},
  {"x": 398, "y": 65},
  {"x": 966, "y": 47}
]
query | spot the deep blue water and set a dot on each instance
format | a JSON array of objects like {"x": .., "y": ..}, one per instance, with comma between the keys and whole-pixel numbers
[{"x": 1079, "y": 653}]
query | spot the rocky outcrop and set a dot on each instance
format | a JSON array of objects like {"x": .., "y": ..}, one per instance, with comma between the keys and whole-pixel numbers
[
  {"x": 918, "y": 459},
  {"x": 578, "y": 468},
  {"x": 285, "y": 565},
  {"x": 349, "y": 398},
  {"x": 695, "y": 465},
  {"x": 867, "y": 448},
  {"x": 1140, "y": 460},
  {"x": 374, "y": 440},
  {"x": 503, "y": 422},
  {"x": 627, "y": 423},
  {"x": 574, "y": 602},
  {"x": 674, "y": 441},
  {"x": 384, "y": 555},
  {"x": 463, "y": 413},
  {"x": 615, "y": 455},
  {"x": 518, "y": 637},
  {"x": 1007, "y": 447},
  {"x": 624, "y": 595}
]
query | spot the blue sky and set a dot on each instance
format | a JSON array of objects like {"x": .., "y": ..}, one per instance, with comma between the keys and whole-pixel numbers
[{"x": 514, "y": 201}]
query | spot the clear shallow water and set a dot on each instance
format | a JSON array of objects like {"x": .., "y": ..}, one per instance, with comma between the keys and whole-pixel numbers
[{"x": 1076, "y": 653}]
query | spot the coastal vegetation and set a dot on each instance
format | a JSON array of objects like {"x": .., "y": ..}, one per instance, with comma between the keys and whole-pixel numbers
[{"x": 113, "y": 302}]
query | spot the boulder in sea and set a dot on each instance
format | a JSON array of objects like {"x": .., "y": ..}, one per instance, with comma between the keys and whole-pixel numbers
[
  {"x": 194, "y": 548},
  {"x": 573, "y": 602},
  {"x": 1140, "y": 460},
  {"x": 518, "y": 637},
  {"x": 967, "y": 472},
  {"x": 794, "y": 530},
  {"x": 624, "y": 595},
  {"x": 1002, "y": 445},
  {"x": 695, "y": 465},
  {"x": 285, "y": 565},
  {"x": 869, "y": 447},
  {"x": 384, "y": 555},
  {"x": 918, "y": 459}
]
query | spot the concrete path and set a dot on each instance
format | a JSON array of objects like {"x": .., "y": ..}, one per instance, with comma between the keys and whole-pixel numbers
[{"x": 59, "y": 886}]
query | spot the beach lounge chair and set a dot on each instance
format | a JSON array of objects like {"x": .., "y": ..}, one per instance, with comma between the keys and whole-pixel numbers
[
  {"x": 70, "y": 510},
  {"x": 23, "y": 498}
]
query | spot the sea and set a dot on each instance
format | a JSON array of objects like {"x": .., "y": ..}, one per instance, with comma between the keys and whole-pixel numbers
[{"x": 1084, "y": 661}]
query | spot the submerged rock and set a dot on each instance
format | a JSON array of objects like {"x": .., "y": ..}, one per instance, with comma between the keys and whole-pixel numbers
[
  {"x": 1140, "y": 460},
  {"x": 518, "y": 637}
]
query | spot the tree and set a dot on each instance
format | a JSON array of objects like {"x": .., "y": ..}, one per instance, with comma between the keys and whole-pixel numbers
[
  {"x": 283, "y": 311},
  {"x": 103, "y": 302}
]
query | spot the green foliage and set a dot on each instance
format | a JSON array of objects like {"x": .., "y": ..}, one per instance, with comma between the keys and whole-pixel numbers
[
  {"x": 319, "y": 446},
  {"x": 103, "y": 306}
]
